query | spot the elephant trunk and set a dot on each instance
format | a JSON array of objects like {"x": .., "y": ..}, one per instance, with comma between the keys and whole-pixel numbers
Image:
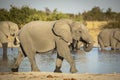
[
  {"x": 88, "y": 47},
  {"x": 87, "y": 43},
  {"x": 5, "y": 57}
]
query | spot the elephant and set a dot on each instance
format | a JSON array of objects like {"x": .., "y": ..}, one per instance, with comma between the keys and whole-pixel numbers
[
  {"x": 109, "y": 38},
  {"x": 7, "y": 29},
  {"x": 42, "y": 36}
]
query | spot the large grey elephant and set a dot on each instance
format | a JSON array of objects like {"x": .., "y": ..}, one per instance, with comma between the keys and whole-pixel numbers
[
  {"x": 43, "y": 36},
  {"x": 7, "y": 29},
  {"x": 109, "y": 38}
]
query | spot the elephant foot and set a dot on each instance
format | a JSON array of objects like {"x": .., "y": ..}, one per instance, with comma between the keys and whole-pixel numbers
[
  {"x": 113, "y": 49},
  {"x": 35, "y": 70},
  {"x": 14, "y": 69},
  {"x": 57, "y": 70},
  {"x": 73, "y": 70}
]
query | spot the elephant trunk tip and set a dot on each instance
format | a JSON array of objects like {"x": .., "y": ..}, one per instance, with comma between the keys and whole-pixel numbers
[{"x": 88, "y": 47}]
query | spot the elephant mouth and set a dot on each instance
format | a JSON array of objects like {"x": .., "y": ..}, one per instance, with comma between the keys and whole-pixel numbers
[{"x": 85, "y": 41}]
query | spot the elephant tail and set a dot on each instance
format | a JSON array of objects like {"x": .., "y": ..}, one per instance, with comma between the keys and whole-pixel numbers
[
  {"x": 23, "y": 51},
  {"x": 17, "y": 43}
]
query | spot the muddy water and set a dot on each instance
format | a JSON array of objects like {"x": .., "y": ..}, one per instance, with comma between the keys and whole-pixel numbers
[{"x": 94, "y": 61}]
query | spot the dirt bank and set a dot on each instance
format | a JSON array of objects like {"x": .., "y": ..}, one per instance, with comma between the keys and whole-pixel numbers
[{"x": 56, "y": 76}]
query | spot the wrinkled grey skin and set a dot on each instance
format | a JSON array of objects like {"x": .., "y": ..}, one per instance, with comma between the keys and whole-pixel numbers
[
  {"x": 7, "y": 29},
  {"x": 109, "y": 38},
  {"x": 42, "y": 36}
]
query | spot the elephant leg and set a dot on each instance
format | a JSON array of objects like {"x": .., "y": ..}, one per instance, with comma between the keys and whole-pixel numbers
[
  {"x": 64, "y": 51},
  {"x": 70, "y": 60},
  {"x": 29, "y": 51},
  {"x": 78, "y": 45},
  {"x": 74, "y": 45},
  {"x": 58, "y": 63},
  {"x": 18, "y": 61},
  {"x": 100, "y": 42},
  {"x": 118, "y": 46},
  {"x": 5, "y": 46},
  {"x": 113, "y": 44},
  {"x": 31, "y": 56}
]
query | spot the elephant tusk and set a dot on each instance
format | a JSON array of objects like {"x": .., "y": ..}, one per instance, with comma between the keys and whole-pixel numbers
[
  {"x": 89, "y": 42},
  {"x": 69, "y": 43},
  {"x": 17, "y": 40}
]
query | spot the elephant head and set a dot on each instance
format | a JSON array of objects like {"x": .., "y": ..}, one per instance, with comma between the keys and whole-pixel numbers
[
  {"x": 81, "y": 33},
  {"x": 8, "y": 28},
  {"x": 13, "y": 29},
  {"x": 69, "y": 30}
]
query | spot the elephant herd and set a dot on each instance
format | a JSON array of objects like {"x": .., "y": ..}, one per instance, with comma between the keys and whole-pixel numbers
[{"x": 60, "y": 35}]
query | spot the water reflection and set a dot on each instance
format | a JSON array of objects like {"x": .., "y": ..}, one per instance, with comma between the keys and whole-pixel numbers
[
  {"x": 95, "y": 61},
  {"x": 12, "y": 54}
]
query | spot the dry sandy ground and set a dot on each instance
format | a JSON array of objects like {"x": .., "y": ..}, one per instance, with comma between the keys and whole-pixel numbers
[{"x": 56, "y": 76}]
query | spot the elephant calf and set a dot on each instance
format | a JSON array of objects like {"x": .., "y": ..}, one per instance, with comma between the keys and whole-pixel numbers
[
  {"x": 42, "y": 36},
  {"x": 109, "y": 38}
]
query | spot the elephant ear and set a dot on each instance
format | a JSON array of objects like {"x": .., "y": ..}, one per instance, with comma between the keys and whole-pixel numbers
[
  {"x": 117, "y": 35},
  {"x": 4, "y": 28},
  {"x": 62, "y": 29}
]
